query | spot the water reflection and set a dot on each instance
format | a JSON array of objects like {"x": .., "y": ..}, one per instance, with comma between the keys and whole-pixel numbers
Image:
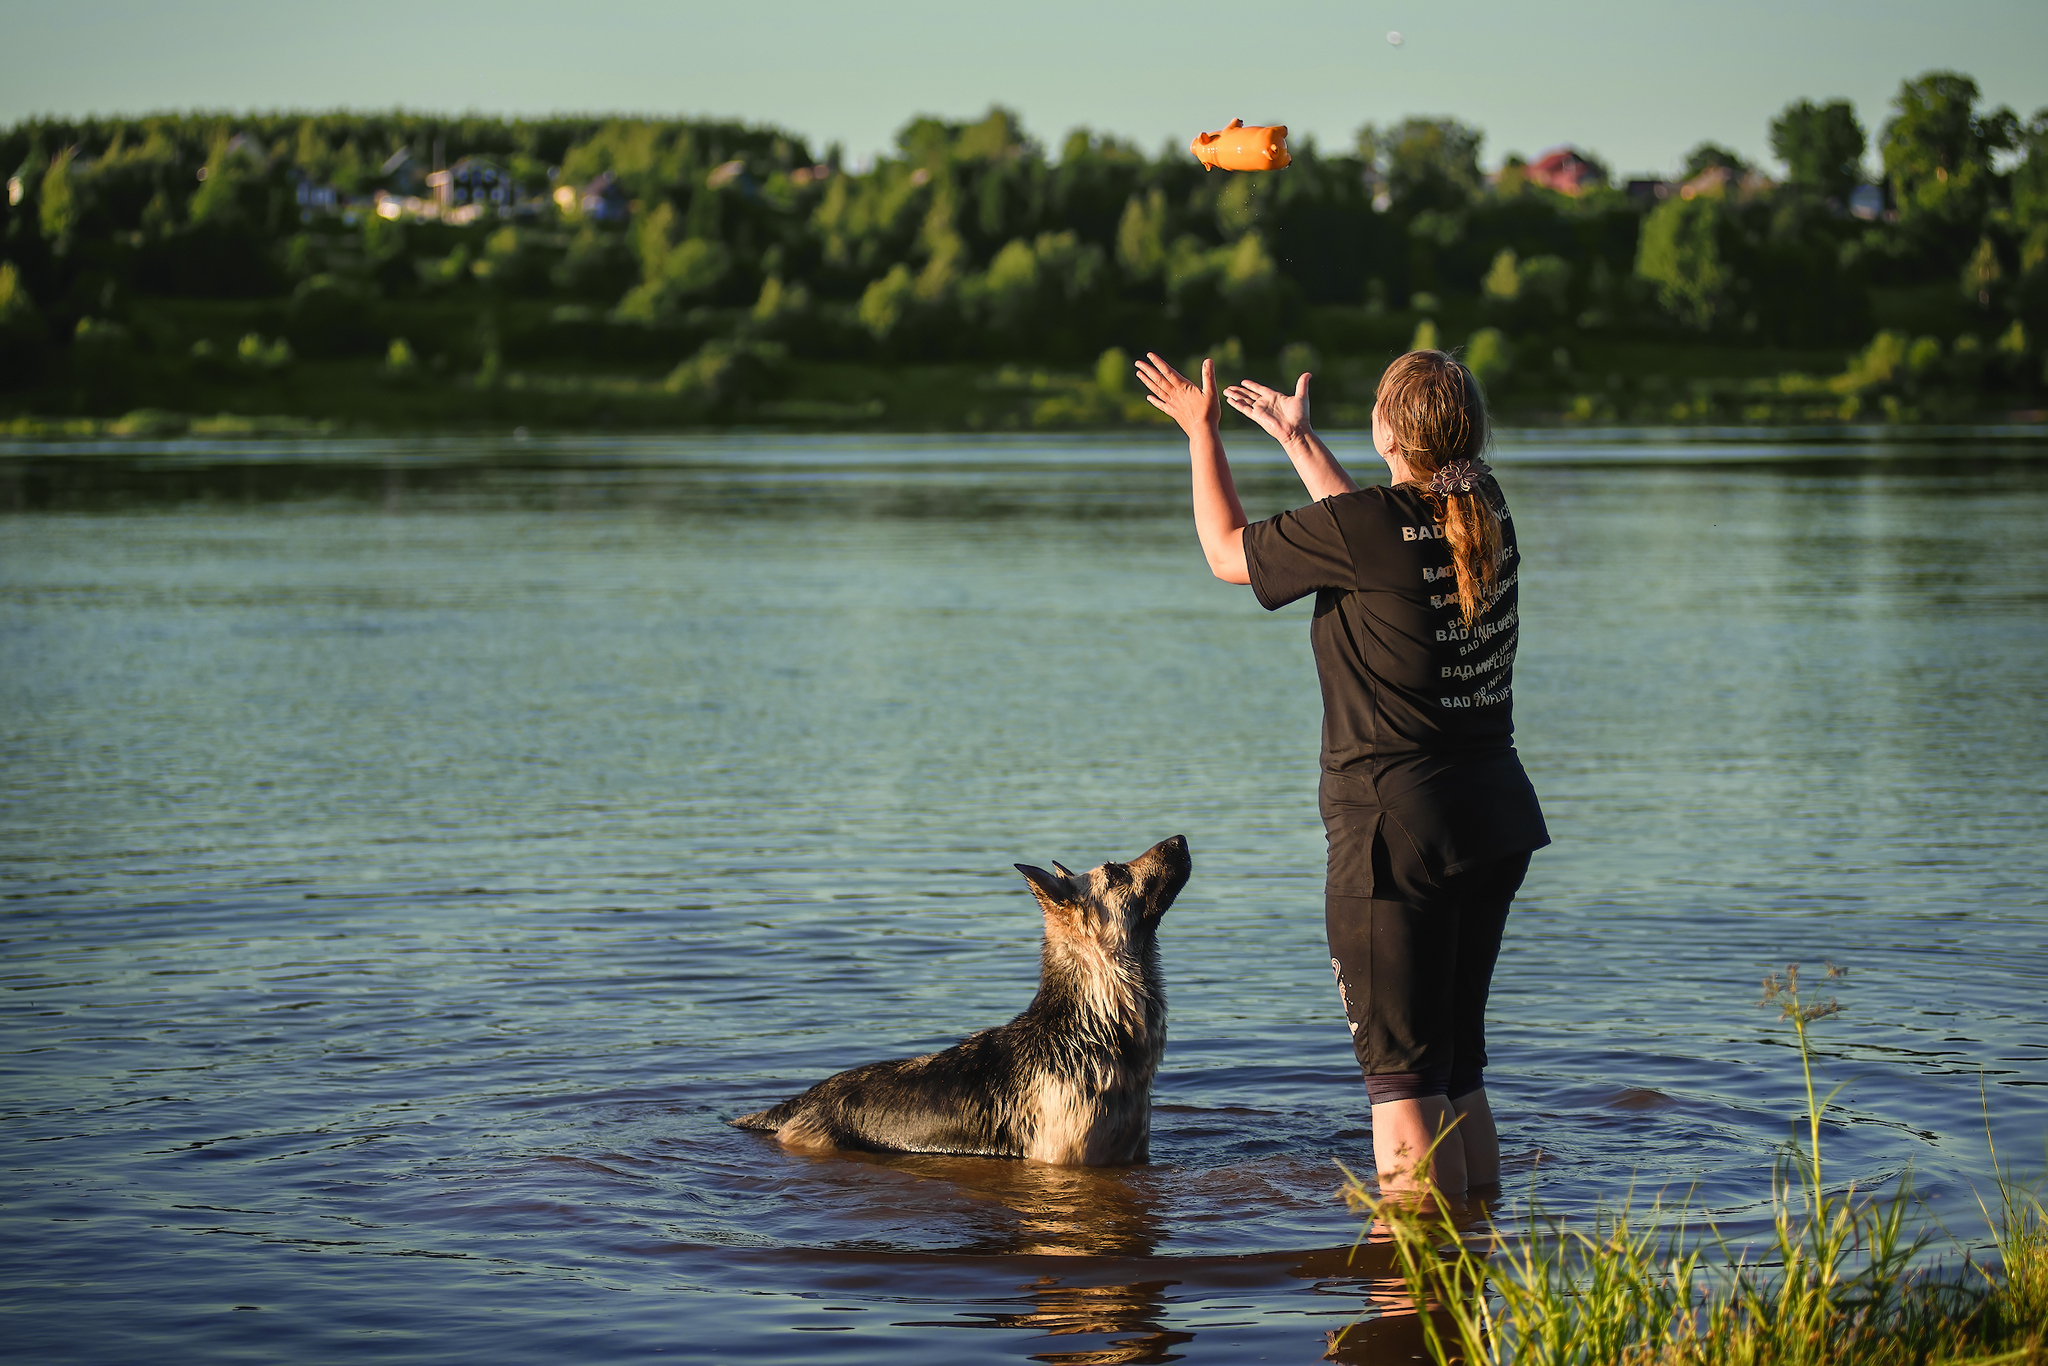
[
  {"x": 1121, "y": 1214},
  {"x": 1130, "y": 1317},
  {"x": 1064, "y": 1212},
  {"x": 1392, "y": 1327},
  {"x": 1072, "y": 1212},
  {"x": 1025, "y": 1209}
]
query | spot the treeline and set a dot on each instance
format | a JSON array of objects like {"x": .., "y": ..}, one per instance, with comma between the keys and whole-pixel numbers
[{"x": 155, "y": 259}]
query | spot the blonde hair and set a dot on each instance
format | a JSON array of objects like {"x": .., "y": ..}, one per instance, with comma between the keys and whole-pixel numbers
[{"x": 1434, "y": 410}]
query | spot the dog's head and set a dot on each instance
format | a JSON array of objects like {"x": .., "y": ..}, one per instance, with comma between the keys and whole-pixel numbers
[{"x": 1115, "y": 907}]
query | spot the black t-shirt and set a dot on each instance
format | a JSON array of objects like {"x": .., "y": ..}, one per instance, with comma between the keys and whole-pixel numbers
[{"x": 1418, "y": 712}]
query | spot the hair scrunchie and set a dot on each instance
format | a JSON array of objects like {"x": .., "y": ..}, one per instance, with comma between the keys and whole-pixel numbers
[{"x": 1459, "y": 476}]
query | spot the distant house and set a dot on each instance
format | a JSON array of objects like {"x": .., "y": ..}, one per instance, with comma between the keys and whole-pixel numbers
[
  {"x": 1869, "y": 202},
  {"x": 315, "y": 200},
  {"x": 397, "y": 206},
  {"x": 1724, "y": 182},
  {"x": 736, "y": 175},
  {"x": 249, "y": 149},
  {"x": 1562, "y": 169},
  {"x": 402, "y": 170},
  {"x": 471, "y": 188},
  {"x": 1714, "y": 180},
  {"x": 1651, "y": 192},
  {"x": 602, "y": 200}
]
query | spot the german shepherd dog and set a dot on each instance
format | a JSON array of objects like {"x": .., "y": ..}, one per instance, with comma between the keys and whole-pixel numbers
[{"x": 1068, "y": 1082}]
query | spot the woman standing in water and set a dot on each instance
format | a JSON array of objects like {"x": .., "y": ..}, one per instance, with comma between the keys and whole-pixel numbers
[{"x": 1430, "y": 818}]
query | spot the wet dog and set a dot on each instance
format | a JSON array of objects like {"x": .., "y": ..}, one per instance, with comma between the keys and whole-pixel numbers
[{"x": 1068, "y": 1082}]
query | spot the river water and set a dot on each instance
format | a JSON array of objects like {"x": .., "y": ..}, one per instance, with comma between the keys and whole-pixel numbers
[{"x": 414, "y": 851}]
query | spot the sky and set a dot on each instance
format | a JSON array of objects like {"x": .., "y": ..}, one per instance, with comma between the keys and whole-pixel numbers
[{"x": 1636, "y": 82}]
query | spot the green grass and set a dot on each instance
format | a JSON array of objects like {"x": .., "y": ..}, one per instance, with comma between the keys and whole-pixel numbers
[{"x": 1843, "y": 1279}]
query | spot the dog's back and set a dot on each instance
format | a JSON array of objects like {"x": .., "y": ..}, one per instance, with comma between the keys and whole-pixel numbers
[{"x": 1068, "y": 1081}]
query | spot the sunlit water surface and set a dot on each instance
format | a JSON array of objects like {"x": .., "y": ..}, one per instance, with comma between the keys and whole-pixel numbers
[{"x": 413, "y": 852}]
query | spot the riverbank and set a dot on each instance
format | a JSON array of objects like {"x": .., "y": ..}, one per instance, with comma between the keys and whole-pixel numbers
[
  {"x": 927, "y": 399},
  {"x": 1842, "y": 1276},
  {"x": 464, "y": 364}
]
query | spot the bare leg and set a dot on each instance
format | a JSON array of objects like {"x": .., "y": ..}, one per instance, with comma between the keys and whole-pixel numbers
[
  {"x": 1403, "y": 1130},
  {"x": 1478, "y": 1138}
]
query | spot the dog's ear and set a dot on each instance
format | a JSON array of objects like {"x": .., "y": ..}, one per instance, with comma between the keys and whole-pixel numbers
[
  {"x": 1062, "y": 870},
  {"x": 1052, "y": 890}
]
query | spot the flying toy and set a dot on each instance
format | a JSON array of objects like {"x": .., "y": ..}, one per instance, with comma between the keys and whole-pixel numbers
[{"x": 1238, "y": 148}]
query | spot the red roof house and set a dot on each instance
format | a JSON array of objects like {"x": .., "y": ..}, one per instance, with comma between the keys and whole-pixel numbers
[{"x": 1562, "y": 169}]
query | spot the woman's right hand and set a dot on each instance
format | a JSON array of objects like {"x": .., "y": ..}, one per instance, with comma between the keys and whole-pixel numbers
[
  {"x": 1283, "y": 415},
  {"x": 1196, "y": 410},
  {"x": 1285, "y": 418}
]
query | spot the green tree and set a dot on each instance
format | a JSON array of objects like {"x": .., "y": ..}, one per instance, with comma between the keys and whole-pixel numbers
[
  {"x": 1073, "y": 268},
  {"x": 946, "y": 250},
  {"x": 1113, "y": 373},
  {"x": 400, "y": 361},
  {"x": 2030, "y": 177},
  {"x": 58, "y": 202},
  {"x": 1711, "y": 156},
  {"x": 218, "y": 199},
  {"x": 1821, "y": 145},
  {"x": 1546, "y": 283},
  {"x": 23, "y": 336},
  {"x": 933, "y": 143},
  {"x": 1249, "y": 275},
  {"x": 1296, "y": 357},
  {"x": 510, "y": 262},
  {"x": 1503, "y": 282},
  {"x": 1489, "y": 356},
  {"x": 1141, "y": 236},
  {"x": 1982, "y": 274},
  {"x": 672, "y": 272},
  {"x": 1938, "y": 149},
  {"x": 597, "y": 265},
  {"x": 779, "y": 306},
  {"x": 1032, "y": 285},
  {"x": 1684, "y": 252},
  {"x": 885, "y": 302},
  {"x": 1529, "y": 293},
  {"x": 16, "y": 307},
  {"x": 159, "y": 216},
  {"x": 1431, "y": 162},
  {"x": 723, "y": 374},
  {"x": 1012, "y": 285}
]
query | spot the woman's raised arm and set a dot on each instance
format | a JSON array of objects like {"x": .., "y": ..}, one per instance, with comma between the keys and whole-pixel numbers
[{"x": 1219, "y": 517}]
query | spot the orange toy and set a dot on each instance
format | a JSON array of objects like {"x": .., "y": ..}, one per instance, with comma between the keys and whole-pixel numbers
[{"x": 1238, "y": 148}]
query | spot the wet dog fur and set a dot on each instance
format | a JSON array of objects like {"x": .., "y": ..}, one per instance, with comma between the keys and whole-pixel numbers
[{"x": 1068, "y": 1082}]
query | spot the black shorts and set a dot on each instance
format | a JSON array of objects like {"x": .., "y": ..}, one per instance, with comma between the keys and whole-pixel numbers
[{"x": 1413, "y": 954}]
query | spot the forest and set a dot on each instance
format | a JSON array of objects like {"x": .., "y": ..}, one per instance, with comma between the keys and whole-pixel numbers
[{"x": 216, "y": 272}]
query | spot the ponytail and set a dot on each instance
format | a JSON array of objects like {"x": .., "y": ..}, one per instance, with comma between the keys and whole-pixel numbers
[
  {"x": 1437, "y": 414},
  {"x": 1471, "y": 527}
]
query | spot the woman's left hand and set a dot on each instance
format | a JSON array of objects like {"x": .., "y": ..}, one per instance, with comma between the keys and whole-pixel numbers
[
  {"x": 1283, "y": 415},
  {"x": 1195, "y": 409}
]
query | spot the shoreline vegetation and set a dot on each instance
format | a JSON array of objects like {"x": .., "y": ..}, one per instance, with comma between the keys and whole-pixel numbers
[
  {"x": 286, "y": 273},
  {"x": 1843, "y": 1278}
]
